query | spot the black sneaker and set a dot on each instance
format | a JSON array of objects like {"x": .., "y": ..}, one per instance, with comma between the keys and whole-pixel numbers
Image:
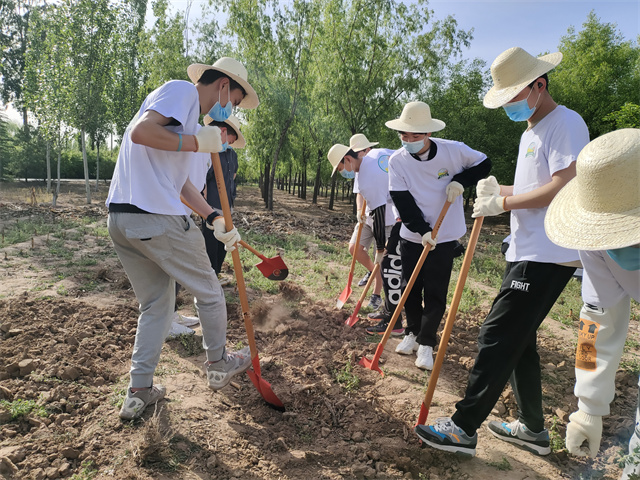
[
  {"x": 375, "y": 302},
  {"x": 518, "y": 433},
  {"x": 364, "y": 280},
  {"x": 379, "y": 314},
  {"x": 381, "y": 327}
]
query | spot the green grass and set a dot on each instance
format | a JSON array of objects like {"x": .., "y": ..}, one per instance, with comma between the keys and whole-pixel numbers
[
  {"x": 21, "y": 408},
  {"x": 502, "y": 465},
  {"x": 555, "y": 438},
  {"x": 346, "y": 378},
  {"x": 88, "y": 471},
  {"x": 22, "y": 231}
]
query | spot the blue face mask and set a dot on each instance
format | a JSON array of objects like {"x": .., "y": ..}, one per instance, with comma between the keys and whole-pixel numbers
[
  {"x": 348, "y": 175},
  {"x": 628, "y": 258},
  {"x": 519, "y": 111},
  {"x": 413, "y": 147},
  {"x": 225, "y": 146},
  {"x": 220, "y": 114}
]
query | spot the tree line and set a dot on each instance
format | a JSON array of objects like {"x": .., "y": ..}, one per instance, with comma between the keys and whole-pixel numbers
[{"x": 78, "y": 71}]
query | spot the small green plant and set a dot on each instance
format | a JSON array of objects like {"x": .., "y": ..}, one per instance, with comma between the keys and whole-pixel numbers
[
  {"x": 345, "y": 377},
  {"x": 117, "y": 397},
  {"x": 631, "y": 365},
  {"x": 191, "y": 344},
  {"x": 21, "y": 408},
  {"x": 555, "y": 439},
  {"x": 503, "y": 464},
  {"x": 88, "y": 472}
]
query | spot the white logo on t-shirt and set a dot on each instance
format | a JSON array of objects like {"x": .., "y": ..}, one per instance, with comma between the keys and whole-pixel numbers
[
  {"x": 531, "y": 150},
  {"x": 383, "y": 163}
]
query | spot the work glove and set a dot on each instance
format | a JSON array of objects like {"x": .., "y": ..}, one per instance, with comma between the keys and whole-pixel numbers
[
  {"x": 362, "y": 217},
  {"x": 488, "y": 206},
  {"x": 488, "y": 187},
  {"x": 454, "y": 190},
  {"x": 427, "y": 240},
  {"x": 582, "y": 428},
  {"x": 229, "y": 238},
  {"x": 379, "y": 256},
  {"x": 209, "y": 139}
]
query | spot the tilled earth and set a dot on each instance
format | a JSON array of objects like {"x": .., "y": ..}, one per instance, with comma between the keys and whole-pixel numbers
[{"x": 66, "y": 357}]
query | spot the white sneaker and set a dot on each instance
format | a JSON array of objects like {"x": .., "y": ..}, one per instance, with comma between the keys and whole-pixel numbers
[
  {"x": 177, "y": 330},
  {"x": 425, "y": 357},
  {"x": 408, "y": 345},
  {"x": 185, "y": 320}
]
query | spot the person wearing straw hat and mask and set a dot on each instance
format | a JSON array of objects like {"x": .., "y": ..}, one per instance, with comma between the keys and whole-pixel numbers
[
  {"x": 423, "y": 175},
  {"x": 598, "y": 213},
  {"x": 537, "y": 270},
  {"x": 156, "y": 242}
]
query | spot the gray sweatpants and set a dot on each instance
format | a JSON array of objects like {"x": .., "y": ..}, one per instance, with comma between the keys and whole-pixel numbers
[{"x": 156, "y": 251}]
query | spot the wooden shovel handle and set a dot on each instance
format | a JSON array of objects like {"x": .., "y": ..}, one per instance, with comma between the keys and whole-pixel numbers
[{"x": 358, "y": 235}]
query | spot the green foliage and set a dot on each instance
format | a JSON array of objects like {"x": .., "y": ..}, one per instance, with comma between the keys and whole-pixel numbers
[
  {"x": 345, "y": 377},
  {"x": 627, "y": 117},
  {"x": 503, "y": 464},
  {"x": 22, "y": 408},
  {"x": 88, "y": 471}
]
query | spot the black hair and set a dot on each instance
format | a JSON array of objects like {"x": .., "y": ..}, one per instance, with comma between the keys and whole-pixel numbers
[
  {"x": 230, "y": 129},
  {"x": 210, "y": 76},
  {"x": 545, "y": 77},
  {"x": 351, "y": 153}
]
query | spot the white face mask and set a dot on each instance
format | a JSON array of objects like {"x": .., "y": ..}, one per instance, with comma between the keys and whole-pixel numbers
[{"x": 413, "y": 147}]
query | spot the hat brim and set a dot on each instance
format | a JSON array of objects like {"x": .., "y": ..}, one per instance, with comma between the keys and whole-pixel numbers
[
  {"x": 429, "y": 127},
  {"x": 371, "y": 144},
  {"x": 249, "y": 101},
  {"x": 240, "y": 141},
  {"x": 495, "y": 97},
  {"x": 571, "y": 226}
]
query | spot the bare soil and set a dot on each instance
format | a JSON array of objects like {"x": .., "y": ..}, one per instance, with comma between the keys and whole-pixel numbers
[{"x": 67, "y": 326}]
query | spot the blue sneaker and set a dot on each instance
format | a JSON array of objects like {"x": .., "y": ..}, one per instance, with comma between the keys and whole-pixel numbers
[
  {"x": 516, "y": 432},
  {"x": 446, "y": 435}
]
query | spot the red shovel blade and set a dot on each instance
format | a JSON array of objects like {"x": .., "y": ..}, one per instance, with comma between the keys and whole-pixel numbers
[
  {"x": 273, "y": 268},
  {"x": 422, "y": 417},
  {"x": 346, "y": 293},
  {"x": 263, "y": 386},
  {"x": 353, "y": 319},
  {"x": 370, "y": 364}
]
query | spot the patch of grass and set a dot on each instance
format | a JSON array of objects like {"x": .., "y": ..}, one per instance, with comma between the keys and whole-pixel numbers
[
  {"x": 118, "y": 395},
  {"x": 631, "y": 365},
  {"x": 62, "y": 291},
  {"x": 503, "y": 464},
  {"x": 88, "y": 471},
  {"x": 556, "y": 441},
  {"x": 631, "y": 344},
  {"x": 346, "y": 378},
  {"x": 192, "y": 344},
  {"x": 21, "y": 408}
]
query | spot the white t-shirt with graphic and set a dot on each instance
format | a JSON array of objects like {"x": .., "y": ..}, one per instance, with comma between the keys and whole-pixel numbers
[
  {"x": 372, "y": 182},
  {"x": 427, "y": 182},
  {"x": 152, "y": 179},
  {"x": 550, "y": 146}
]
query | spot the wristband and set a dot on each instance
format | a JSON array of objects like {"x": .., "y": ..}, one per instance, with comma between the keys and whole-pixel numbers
[
  {"x": 212, "y": 217},
  {"x": 179, "y": 142}
]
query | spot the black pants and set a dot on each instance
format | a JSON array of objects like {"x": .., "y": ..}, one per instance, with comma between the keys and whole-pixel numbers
[
  {"x": 433, "y": 282},
  {"x": 391, "y": 269},
  {"x": 215, "y": 249},
  {"x": 507, "y": 345}
]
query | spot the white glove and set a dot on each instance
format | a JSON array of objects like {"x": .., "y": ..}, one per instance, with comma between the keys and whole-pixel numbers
[
  {"x": 209, "y": 139},
  {"x": 362, "y": 217},
  {"x": 427, "y": 240},
  {"x": 229, "y": 238},
  {"x": 454, "y": 190},
  {"x": 378, "y": 257},
  {"x": 488, "y": 187},
  {"x": 582, "y": 428},
  {"x": 488, "y": 206}
]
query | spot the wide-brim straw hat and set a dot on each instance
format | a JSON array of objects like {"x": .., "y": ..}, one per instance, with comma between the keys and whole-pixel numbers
[
  {"x": 513, "y": 70},
  {"x": 416, "y": 118},
  {"x": 600, "y": 208},
  {"x": 359, "y": 142},
  {"x": 234, "y": 123},
  {"x": 336, "y": 154},
  {"x": 234, "y": 70}
]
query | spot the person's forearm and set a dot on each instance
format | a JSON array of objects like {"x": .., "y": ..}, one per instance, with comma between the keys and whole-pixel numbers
[
  {"x": 190, "y": 196},
  {"x": 151, "y": 134},
  {"x": 542, "y": 196},
  {"x": 359, "y": 201}
]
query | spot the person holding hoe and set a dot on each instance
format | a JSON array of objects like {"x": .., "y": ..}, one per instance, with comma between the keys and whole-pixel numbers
[
  {"x": 156, "y": 242},
  {"x": 598, "y": 213},
  {"x": 537, "y": 270},
  {"x": 423, "y": 175}
]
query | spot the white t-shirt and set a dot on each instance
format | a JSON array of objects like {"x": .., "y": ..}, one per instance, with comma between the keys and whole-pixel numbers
[
  {"x": 550, "y": 146},
  {"x": 427, "y": 182},
  {"x": 372, "y": 182},
  {"x": 152, "y": 179},
  {"x": 198, "y": 167},
  {"x": 604, "y": 282}
]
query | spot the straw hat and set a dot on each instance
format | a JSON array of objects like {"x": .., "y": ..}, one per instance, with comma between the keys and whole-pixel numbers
[
  {"x": 513, "y": 70},
  {"x": 234, "y": 123},
  {"x": 234, "y": 70},
  {"x": 600, "y": 208},
  {"x": 336, "y": 154},
  {"x": 416, "y": 118},
  {"x": 360, "y": 142}
]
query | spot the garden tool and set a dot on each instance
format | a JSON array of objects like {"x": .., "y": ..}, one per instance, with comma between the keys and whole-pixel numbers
[
  {"x": 346, "y": 293},
  {"x": 273, "y": 268},
  {"x": 351, "y": 321}
]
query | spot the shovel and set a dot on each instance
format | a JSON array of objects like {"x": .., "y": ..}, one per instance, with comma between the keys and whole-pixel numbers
[
  {"x": 273, "y": 268},
  {"x": 346, "y": 293},
  {"x": 448, "y": 326},
  {"x": 373, "y": 364},
  {"x": 262, "y": 385},
  {"x": 351, "y": 321}
]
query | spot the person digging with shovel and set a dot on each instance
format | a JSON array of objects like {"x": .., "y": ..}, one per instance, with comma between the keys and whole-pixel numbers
[
  {"x": 156, "y": 242},
  {"x": 598, "y": 213},
  {"x": 423, "y": 175},
  {"x": 537, "y": 270}
]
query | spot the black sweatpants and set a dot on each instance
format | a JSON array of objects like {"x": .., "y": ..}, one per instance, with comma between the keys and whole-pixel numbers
[
  {"x": 433, "y": 282},
  {"x": 215, "y": 249},
  {"x": 507, "y": 345},
  {"x": 391, "y": 268}
]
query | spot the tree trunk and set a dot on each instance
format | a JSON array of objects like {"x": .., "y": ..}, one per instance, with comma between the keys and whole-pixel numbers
[
  {"x": 289, "y": 189},
  {"x": 57, "y": 192},
  {"x": 48, "y": 166},
  {"x": 85, "y": 164},
  {"x": 304, "y": 185},
  {"x": 97, "y": 164},
  {"x": 333, "y": 191},
  {"x": 317, "y": 183},
  {"x": 265, "y": 189}
]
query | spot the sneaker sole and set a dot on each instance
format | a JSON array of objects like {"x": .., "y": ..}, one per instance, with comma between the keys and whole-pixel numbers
[
  {"x": 399, "y": 333},
  {"x": 469, "y": 452},
  {"x": 530, "y": 447},
  {"x": 405, "y": 352},
  {"x": 423, "y": 367}
]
